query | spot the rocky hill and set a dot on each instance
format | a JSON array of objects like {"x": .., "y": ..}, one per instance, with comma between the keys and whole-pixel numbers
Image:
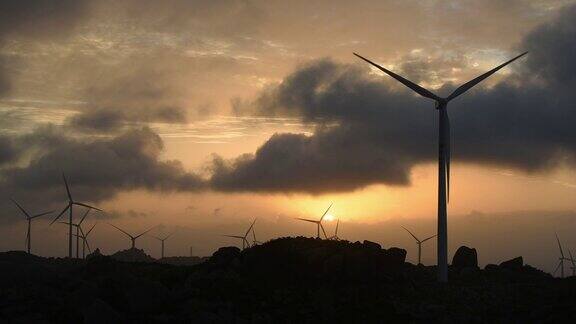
[{"x": 299, "y": 280}]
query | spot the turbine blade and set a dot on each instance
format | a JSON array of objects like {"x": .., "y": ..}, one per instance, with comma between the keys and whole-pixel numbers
[
  {"x": 87, "y": 206},
  {"x": 336, "y": 231},
  {"x": 447, "y": 153},
  {"x": 151, "y": 228},
  {"x": 308, "y": 220},
  {"x": 323, "y": 231},
  {"x": 67, "y": 187},
  {"x": 414, "y": 236},
  {"x": 418, "y": 89},
  {"x": 433, "y": 236},
  {"x": 62, "y": 212},
  {"x": 42, "y": 214},
  {"x": 468, "y": 85},
  {"x": 326, "y": 212},
  {"x": 571, "y": 258},
  {"x": 558, "y": 267},
  {"x": 91, "y": 228},
  {"x": 84, "y": 217},
  {"x": 121, "y": 230},
  {"x": 250, "y": 228},
  {"x": 88, "y": 245},
  {"x": 559, "y": 246},
  {"x": 235, "y": 236},
  {"x": 21, "y": 209}
]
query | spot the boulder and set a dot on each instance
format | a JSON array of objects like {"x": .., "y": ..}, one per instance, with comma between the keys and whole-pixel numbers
[
  {"x": 513, "y": 264},
  {"x": 225, "y": 255},
  {"x": 372, "y": 245},
  {"x": 465, "y": 257}
]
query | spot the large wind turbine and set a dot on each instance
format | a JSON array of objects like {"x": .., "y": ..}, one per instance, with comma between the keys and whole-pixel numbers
[
  {"x": 68, "y": 207},
  {"x": 162, "y": 240},
  {"x": 244, "y": 239},
  {"x": 419, "y": 243},
  {"x": 132, "y": 237},
  {"x": 443, "y": 152},
  {"x": 29, "y": 218},
  {"x": 318, "y": 223}
]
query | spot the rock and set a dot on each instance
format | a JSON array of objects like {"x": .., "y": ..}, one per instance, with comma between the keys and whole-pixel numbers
[
  {"x": 225, "y": 255},
  {"x": 513, "y": 264},
  {"x": 396, "y": 256},
  {"x": 372, "y": 245},
  {"x": 132, "y": 255},
  {"x": 465, "y": 257},
  {"x": 94, "y": 254},
  {"x": 491, "y": 267}
]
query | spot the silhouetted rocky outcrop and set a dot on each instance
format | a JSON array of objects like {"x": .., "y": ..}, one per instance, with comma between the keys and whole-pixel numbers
[
  {"x": 465, "y": 257},
  {"x": 132, "y": 255},
  {"x": 298, "y": 280}
]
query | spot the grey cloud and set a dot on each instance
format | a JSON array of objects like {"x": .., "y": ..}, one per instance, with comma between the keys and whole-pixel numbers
[
  {"x": 370, "y": 133},
  {"x": 97, "y": 169}
]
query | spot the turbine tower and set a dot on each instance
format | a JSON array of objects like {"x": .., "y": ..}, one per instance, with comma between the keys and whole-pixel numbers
[
  {"x": 79, "y": 233},
  {"x": 244, "y": 239},
  {"x": 443, "y": 152},
  {"x": 132, "y": 237},
  {"x": 419, "y": 243},
  {"x": 318, "y": 223},
  {"x": 29, "y": 218},
  {"x": 85, "y": 241},
  {"x": 254, "y": 240},
  {"x": 162, "y": 240},
  {"x": 573, "y": 263},
  {"x": 68, "y": 207}
]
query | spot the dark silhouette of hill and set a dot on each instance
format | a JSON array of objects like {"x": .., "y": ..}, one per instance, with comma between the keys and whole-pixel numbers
[
  {"x": 132, "y": 255},
  {"x": 299, "y": 280}
]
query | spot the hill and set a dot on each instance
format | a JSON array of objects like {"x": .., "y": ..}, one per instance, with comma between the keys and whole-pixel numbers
[{"x": 285, "y": 280}]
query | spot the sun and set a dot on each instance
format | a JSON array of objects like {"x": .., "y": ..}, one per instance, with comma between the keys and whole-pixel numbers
[{"x": 329, "y": 217}]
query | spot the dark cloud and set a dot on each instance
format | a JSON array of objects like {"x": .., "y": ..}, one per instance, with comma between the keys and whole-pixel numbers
[
  {"x": 371, "y": 133},
  {"x": 97, "y": 169}
]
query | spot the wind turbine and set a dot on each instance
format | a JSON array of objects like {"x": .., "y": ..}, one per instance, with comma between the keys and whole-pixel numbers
[
  {"x": 561, "y": 258},
  {"x": 163, "y": 240},
  {"x": 132, "y": 238},
  {"x": 85, "y": 241},
  {"x": 318, "y": 223},
  {"x": 443, "y": 151},
  {"x": 335, "y": 236},
  {"x": 255, "y": 241},
  {"x": 68, "y": 207},
  {"x": 419, "y": 243},
  {"x": 78, "y": 231},
  {"x": 29, "y": 218},
  {"x": 573, "y": 263},
  {"x": 244, "y": 239}
]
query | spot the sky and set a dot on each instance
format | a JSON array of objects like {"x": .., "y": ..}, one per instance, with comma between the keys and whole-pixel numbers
[{"x": 199, "y": 116}]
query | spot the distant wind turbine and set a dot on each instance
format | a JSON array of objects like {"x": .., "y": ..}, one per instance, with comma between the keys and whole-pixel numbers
[
  {"x": 244, "y": 239},
  {"x": 162, "y": 240},
  {"x": 419, "y": 243},
  {"x": 335, "y": 236},
  {"x": 68, "y": 207},
  {"x": 443, "y": 152},
  {"x": 573, "y": 263},
  {"x": 29, "y": 218},
  {"x": 85, "y": 241},
  {"x": 254, "y": 240},
  {"x": 318, "y": 223},
  {"x": 561, "y": 259},
  {"x": 132, "y": 237}
]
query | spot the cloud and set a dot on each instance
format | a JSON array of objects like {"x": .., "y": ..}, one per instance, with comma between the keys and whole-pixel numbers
[
  {"x": 370, "y": 132},
  {"x": 97, "y": 169}
]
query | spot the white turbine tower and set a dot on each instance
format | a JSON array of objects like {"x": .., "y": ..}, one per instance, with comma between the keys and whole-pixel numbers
[
  {"x": 419, "y": 243},
  {"x": 318, "y": 223},
  {"x": 443, "y": 152},
  {"x": 29, "y": 218}
]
